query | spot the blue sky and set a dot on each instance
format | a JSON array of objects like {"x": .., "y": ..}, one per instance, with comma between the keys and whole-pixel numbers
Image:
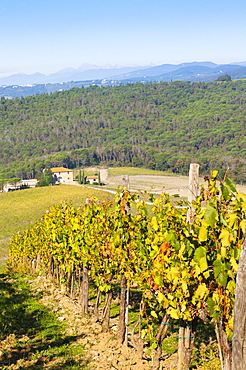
[{"x": 49, "y": 35}]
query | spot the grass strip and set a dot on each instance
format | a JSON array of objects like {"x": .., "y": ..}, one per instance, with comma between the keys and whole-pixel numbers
[
  {"x": 117, "y": 171},
  {"x": 31, "y": 336}
]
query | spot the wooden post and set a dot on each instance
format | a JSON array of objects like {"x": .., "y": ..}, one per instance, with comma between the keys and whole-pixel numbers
[
  {"x": 219, "y": 345},
  {"x": 125, "y": 297},
  {"x": 181, "y": 352},
  {"x": 122, "y": 319},
  {"x": 126, "y": 182},
  {"x": 106, "y": 311},
  {"x": 161, "y": 333},
  {"x": 185, "y": 345},
  {"x": 126, "y": 316},
  {"x": 85, "y": 291},
  {"x": 186, "y": 335},
  {"x": 193, "y": 188},
  {"x": 239, "y": 335}
]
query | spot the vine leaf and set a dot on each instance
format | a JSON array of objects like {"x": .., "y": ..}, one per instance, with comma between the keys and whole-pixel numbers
[
  {"x": 225, "y": 238},
  {"x": 203, "y": 234},
  {"x": 211, "y": 215}
]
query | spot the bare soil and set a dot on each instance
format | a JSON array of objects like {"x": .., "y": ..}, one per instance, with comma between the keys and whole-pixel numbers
[
  {"x": 155, "y": 184},
  {"x": 101, "y": 349}
]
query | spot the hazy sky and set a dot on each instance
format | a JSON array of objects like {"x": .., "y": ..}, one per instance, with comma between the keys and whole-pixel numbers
[{"x": 48, "y": 35}]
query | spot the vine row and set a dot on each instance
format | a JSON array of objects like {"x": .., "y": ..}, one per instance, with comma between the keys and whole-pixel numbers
[{"x": 183, "y": 272}]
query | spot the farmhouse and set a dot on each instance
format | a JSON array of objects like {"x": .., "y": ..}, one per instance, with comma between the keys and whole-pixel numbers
[
  {"x": 62, "y": 174},
  {"x": 11, "y": 187},
  {"x": 30, "y": 183},
  {"x": 22, "y": 184},
  {"x": 92, "y": 179}
]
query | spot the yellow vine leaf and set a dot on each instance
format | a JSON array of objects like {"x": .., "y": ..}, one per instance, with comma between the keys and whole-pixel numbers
[
  {"x": 225, "y": 238},
  {"x": 173, "y": 313},
  {"x": 242, "y": 196},
  {"x": 230, "y": 323},
  {"x": 203, "y": 234},
  {"x": 232, "y": 217},
  {"x": 158, "y": 280},
  {"x": 156, "y": 239},
  {"x": 184, "y": 286},
  {"x": 160, "y": 297},
  {"x": 154, "y": 223},
  {"x": 223, "y": 252},
  {"x": 201, "y": 290},
  {"x": 206, "y": 274},
  {"x": 234, "y": 264},
  {"x": 197, "y": 270},
  {"x": 144, "y": 332},
  {"x": 153, "y": 313},
  {"x": 158, "y": 265},
  {"x": 203, "y": 263},
  {"x": 243, "y": 225},
  {"x": 182, "y": 249},
  {"x": 214, "y": 173}
]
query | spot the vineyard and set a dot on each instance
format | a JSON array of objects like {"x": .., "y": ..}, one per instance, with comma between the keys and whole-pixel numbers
[{"x": 182, "y": 273}]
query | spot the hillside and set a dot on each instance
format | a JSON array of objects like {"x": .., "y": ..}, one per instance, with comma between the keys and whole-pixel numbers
[
  {"x": 31, "y": 204},
  {"x": 160, "y": 126}
]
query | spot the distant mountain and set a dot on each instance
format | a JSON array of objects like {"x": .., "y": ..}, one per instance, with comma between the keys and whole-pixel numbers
[
  {"x": 165, "y": 68},
  {"x": 67, "y": 75},
  {"x": 23, "y": 79},
  {"x": 197, "y": 71},
  {"x": 240, "y": 63},
  {"x": 93, "y": 72},
  {"x": 188, "y": 72},
  {"x": 88, "y": 74},
  {"x": 238, "y": 73}
]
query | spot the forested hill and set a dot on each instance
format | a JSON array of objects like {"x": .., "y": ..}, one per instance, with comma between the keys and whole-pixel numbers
[{"x": 161, "y": 126}]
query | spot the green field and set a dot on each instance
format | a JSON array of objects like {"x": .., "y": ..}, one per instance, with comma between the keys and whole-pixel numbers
[
  {"x": 117, "y": 171},
  {"x": 20, "y": 209}
]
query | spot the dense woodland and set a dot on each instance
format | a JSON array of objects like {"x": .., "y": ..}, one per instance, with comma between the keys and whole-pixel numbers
[{"x": 159, "y": 125}]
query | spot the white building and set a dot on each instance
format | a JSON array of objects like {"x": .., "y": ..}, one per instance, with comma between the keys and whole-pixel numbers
[
  {"x": 92, "y": 179},
  {"x": 62, "y": 175}
]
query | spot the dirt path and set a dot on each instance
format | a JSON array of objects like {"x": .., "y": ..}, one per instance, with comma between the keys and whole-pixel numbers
[
  {"x": 102, "y": 349},
  {"x": 155, "y": 184}
]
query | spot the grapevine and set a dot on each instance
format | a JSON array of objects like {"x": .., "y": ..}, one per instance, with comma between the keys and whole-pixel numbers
[{"x": 184, "y": 272}]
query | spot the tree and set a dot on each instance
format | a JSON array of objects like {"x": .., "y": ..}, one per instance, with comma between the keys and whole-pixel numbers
[
  {"x": 2, "y": 183},
  {"x": 81, "y": 177},
  {"x": 14, "y": 181},
  {"x": 46, "y": 178},
  {"x": 225, "y": 77}
]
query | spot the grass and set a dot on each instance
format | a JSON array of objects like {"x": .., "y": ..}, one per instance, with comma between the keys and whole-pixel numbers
[
  {"x": 22, "y": 208},
  {"x": 3, "y": 246},
  {"x": 117, "y": 171},
  {"x": 31, "y": 336},
  {"x": 33, "y": 339},
  {"x": 170, "y": 343}
]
